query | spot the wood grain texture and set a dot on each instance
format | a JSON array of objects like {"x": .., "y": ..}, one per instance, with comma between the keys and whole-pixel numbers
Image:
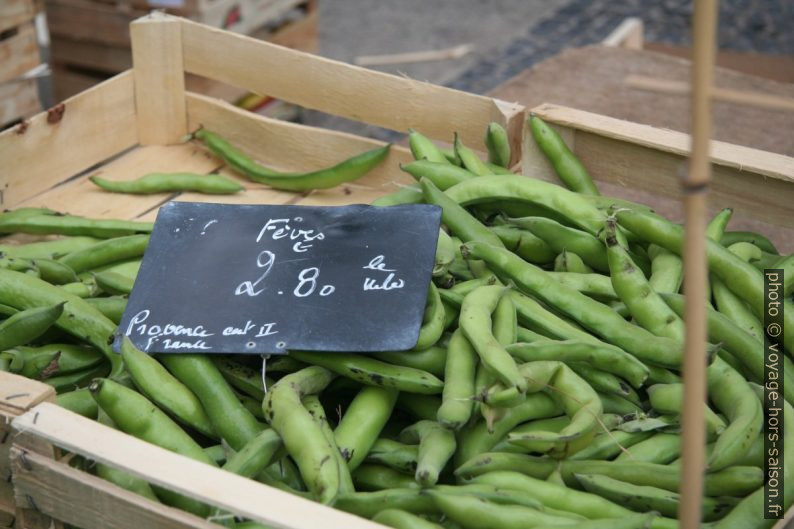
[
  {"x": 337, "y": 88},
  {"x": 293, "y": 147},
  {"x": 87, "y": 501},
  {"x": 15, "y": 12},
  {"x": 19, "y": 53},
  {"x": 159, "y": 79},
  {"x": 198, "y": 480},
  {"x": 592, "y": 79},
  {"x": 94, "y": 126},
  {"x": 80, "y": 196}
]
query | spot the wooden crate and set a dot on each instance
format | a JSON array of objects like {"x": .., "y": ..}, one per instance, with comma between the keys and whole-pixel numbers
[
  {"x": 17, "y": 395},
  {"x": 90, "y": 39},
  {"x": 135, "y": 123},
  {"x": 19, "y": 54}
]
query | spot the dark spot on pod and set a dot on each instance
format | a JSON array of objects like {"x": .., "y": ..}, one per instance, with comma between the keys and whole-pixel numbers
[
  {"x": 355, "y": 370},
  {"x": 629, "y": 268},
  {"x": 376, "y": 378},
  {"x": 670, "y": 319},
  {"x": 347, "y": 454},
  {"x": 612, "y": 240},
  {"x": 624, "y": 388}
]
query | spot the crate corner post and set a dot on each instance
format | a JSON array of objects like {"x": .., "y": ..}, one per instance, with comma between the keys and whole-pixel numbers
[
  {"x": 159, "y": 74},
  {"x": 18, "y": 395}
]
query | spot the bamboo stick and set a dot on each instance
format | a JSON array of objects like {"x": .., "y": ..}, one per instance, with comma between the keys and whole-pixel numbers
[{"x": 695, "y": 189}]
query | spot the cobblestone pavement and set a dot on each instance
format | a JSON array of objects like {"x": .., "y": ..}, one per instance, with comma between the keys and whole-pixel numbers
[{"x": 763, "y": 26}]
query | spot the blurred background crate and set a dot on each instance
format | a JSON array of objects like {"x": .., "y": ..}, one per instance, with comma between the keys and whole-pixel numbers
[
  {"x": 91, "y": 41},
  {"x": 20, "y": 59}
]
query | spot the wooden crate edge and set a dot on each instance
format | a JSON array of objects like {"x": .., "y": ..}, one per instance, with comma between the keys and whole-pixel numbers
[{"x": 64, "y": 429}]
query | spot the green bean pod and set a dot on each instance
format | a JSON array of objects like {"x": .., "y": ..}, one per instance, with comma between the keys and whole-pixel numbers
[
  {"x": 436, "y": 447},
  {"x": 424, "y": 149},
  {"x": 457, "y": 219},
  {"x": 374, "y": 372},
  {"x": 370, "y": 477},
  {"x": 152, "y": 183},
  {"x": 733, "y": 396},
  {"x": 242, "y": 377},
  {"x": 593, "y": 315},
  {"x": 112, "y": 307},
  {"x": 114, "y": 283},
  {"x": 669, "y": 399},
  {"x": 469, "y": 159},
  {"x": 456, "y": 398},
  {"x": 300, "y": 433},
  {"x": 575, "y": 209},
  {"x": 362, "y": 423},
  {"x": 570, "y": 262},
  {"x": 433, "y": 320},
  {"x": 73, "y": 225},
  {"x": 393, "y": 454},
  {"x": 403, "y": 520},
  {"x": 79, "y": 401},
  {"x": 661, "y": 448},
  {"x": 410, "y": 194},
  {"x": 732, "y": 481},
  {"x": 732, "y": 237},
  {"x": 368, "y": 504},
  {"x": 345, "y": 171},
  {"x": 443, "y": 175},
  {"x": 28, "y": 324},
  {"x": 47, "y": 249},
  {"x": 562, "y": 238},
  {"x": 475, "y": 322},
  {"x": 52, "y": 359},
  {"x": 525, "y": 244},
  {"x": 603, "y": 357},
  {"x": 157, "y": 384},
  {"x": 79, "y": 318},
  {"x": 667, "y": 270},
  {"x": 229, "y": 418},
  {"x": 137, "y": 416},
  {"x": 432, "y": 359},
  {"x": 567, "y": 166},
  {"x": 315, "y": 408},
  {"x": 646, "y": 498},
  {"x": 498, "y": 145}
]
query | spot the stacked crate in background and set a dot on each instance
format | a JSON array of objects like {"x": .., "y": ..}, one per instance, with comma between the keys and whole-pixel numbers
[
  {"x": 20, "y": 60},
  {"x": 91, "y": 40}
]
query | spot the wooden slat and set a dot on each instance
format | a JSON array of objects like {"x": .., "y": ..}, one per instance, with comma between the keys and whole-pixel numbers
[
  {"x": 341, "y": 89},
  {"x": 15, "y": 12},
  {"x": 81, "y": 197},
  {"x": 88, "y": 20},
  {"x": 198, "y": 480},
  {"x": 738, "y": 157},
  {"x": 293, "y": 147},
  {"x": 18, "y": 100},
  {"x": 17, "y": 395},
  {"x": 95, "y": 125},
  {"x": 638, "y": 171},
  {"x": 87, "y": 501},
  {"x": 159, "y": 79},
  {"x": 19, "y": 53}
]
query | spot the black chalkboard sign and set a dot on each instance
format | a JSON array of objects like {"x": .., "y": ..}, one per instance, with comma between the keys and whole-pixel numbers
[{"x": 266, "y": 279}]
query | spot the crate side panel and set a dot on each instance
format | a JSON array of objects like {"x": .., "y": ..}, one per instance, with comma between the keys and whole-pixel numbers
[
  {"x": 18, "y": 100},
  {"x": 55, "y": 145},
  {"x": 87, "y": 501},
  {"x": 181, "y": 474},
  {"x": 15, "y": 12},
  {"x": 341, "y": 89},
  {"x": 81, "y": 197},
  {"x": 282, "y": 145}
]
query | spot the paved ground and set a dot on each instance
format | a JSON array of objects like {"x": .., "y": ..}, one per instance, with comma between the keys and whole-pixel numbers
[{"x": 512, "y": 35}]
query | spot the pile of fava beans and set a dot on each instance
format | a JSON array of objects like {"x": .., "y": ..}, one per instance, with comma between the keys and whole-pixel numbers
[{"x": 544, "y": 391}]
